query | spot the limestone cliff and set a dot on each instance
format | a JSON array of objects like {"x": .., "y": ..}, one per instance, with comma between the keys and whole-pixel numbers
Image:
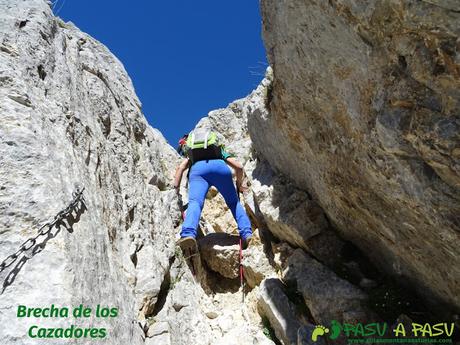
[
  {"x": 364, "y": 114},
  {"x": 352, "y": 138},
  {"x": 70, "y": 117}
]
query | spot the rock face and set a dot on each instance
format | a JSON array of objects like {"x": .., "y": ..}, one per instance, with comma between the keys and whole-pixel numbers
[
  {"x": 277, "y": 208},
  {"x": 295, "y": 218},
  {"x": 69, "y": 116},
  {"x": 364, "y": 114},
  {"x": 327, "y": 296},
  {"x": 372, "y": 140},
  {"x": 275, "y": 305}
]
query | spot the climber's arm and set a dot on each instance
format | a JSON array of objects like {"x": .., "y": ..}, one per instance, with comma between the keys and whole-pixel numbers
[
  {"x": 179, "y": 172},
  {"x": 238, "y": 172}
]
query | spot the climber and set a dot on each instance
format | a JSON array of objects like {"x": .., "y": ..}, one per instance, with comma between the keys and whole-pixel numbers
[{"x": 207, "y": 162}]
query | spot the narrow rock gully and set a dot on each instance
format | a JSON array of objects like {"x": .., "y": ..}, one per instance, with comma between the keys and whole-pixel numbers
[{"x": 287, "y": 291}]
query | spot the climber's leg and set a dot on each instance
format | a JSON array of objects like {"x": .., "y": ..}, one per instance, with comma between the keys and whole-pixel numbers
[
  {"x": 198, "y": 187},
  {"x": 221, "y": 178}
]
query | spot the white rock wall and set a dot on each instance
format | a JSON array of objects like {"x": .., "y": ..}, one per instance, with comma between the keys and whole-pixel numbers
[{"x": 69, "y": 116}]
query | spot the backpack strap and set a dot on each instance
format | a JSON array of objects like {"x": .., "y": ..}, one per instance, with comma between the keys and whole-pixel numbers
[
  {"x": 193, "y": 138},
  {"x": 206, "y": 140}
]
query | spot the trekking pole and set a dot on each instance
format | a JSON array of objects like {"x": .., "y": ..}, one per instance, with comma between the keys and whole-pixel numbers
[
  {"x": 241, "y": 254},
  {"x": 241, "y": 270}
]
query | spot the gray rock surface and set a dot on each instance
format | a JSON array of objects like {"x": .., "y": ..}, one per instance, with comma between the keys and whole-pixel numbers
[
  {"x": 274, "y": 203},
  {"x": 69, "y": 116},
  {"x": 182, "y": 319},
  {"x": 372, "y": 138},
  {"x": 363, "y": 113},
  {"x": 220, "y": 252},
  {"x": 158, "y": 334},
  {"x": 288, "y": 212},
  {"x": 275, "y": 305},
  {"x": 327, "y": 296},
  {"x": 257, "y": 266}
]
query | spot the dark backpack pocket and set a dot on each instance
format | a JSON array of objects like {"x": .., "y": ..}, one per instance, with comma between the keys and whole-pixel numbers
[{"x": 211, "y": 152}]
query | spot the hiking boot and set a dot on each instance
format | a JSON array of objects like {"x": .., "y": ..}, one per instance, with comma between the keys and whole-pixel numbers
[
  {"x": 191, "y": 254},
  {"x": 188, "y": 245}
]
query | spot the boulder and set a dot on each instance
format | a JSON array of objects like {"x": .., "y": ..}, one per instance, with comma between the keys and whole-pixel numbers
[
  {"x": 220, "y": 252},
  {"x": 280, "y": 312},
  {"x": 256, "y": 265},
  {"x": 327, "y": 296}
]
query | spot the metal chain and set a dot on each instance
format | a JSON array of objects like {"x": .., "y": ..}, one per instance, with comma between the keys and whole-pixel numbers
[{"x": 45, "y": 229}]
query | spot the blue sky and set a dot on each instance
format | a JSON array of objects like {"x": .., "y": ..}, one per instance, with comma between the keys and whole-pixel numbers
[{"x": 185, "y": 57}]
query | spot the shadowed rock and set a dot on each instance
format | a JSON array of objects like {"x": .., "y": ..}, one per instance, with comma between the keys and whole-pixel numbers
[
  {"x": 327, "y": 296},
  {"x": 275, "y": 305},
  {"x": 363, "y": 114}
]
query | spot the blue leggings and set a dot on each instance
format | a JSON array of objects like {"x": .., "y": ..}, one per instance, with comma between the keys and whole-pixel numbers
[{"x": 204, "y": 174}]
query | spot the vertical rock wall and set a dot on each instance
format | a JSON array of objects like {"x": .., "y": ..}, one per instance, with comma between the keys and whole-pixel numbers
[
  {"x": 361, "y": 115},
  {"x": 70, "y": 117},
  {"x": 364, "y": 114}
]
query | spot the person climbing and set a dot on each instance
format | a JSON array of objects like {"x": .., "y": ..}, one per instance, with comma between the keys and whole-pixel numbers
[{"x": 208, "y": 163}]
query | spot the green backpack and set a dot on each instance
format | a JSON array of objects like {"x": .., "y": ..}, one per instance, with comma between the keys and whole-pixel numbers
[{"x": 202, "y": 145}]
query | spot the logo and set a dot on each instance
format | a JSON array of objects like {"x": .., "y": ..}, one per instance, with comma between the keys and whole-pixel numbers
[
  {"x": 320, "y": 330},
  {"x": 380, "y": 332}
]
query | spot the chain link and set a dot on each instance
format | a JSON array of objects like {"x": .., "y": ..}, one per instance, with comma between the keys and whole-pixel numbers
[{"x": 44, "y": 230}]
